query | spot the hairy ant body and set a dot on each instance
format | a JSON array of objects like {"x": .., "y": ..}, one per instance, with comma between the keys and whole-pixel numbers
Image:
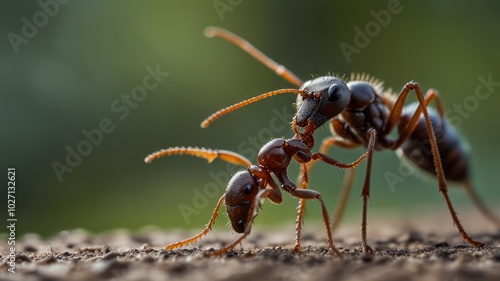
[
  {"x": 360, "y": 112},
  {"x": 248, "y": 187}
]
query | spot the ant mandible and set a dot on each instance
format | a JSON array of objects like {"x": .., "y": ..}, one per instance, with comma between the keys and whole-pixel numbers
[
  {"x": 360, "y": 112},
  {"x": 248, "y": 187}
]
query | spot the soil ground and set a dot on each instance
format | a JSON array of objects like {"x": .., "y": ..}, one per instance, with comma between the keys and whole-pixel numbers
[{"x": 402, "y": 252}]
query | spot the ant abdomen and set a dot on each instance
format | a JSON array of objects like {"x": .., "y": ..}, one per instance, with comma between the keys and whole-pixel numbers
[{"x": 417, "y": 148}]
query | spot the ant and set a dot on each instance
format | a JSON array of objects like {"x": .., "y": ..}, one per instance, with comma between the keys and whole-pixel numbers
[
  {"x": 360, "y": 112},
  {"x": 248, "y": 187}
]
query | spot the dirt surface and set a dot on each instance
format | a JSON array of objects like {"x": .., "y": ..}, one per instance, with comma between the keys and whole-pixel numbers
[{"x": 402, "y": 253}]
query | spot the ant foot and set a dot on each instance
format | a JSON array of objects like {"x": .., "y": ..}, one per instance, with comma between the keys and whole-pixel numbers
[
  {"x": 367, "y": 249},
  {"x": 296, "y": 249},
  {"x": 476, "y": 244},
  {"x": 337, "y": 253}
]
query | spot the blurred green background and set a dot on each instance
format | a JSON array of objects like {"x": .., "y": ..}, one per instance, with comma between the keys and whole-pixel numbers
[{"x": 66, "y": 77}]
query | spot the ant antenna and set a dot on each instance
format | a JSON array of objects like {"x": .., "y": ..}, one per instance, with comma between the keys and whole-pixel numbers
[
  {"x": 279, "y": 69},
  {"x": 209, "y": 154},
  {"x": 233, "y": 107}
]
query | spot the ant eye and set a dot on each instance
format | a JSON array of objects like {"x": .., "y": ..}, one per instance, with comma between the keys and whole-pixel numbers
[
  {"x": 248, "y": 189},
  {"x": 334, "y": 92},
  {"x": 241, "y": 223}
]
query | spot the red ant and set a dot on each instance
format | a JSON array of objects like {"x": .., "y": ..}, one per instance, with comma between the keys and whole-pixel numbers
[
  {"x": 360, "y": 112},
  {"x": 247, "y": 188}
]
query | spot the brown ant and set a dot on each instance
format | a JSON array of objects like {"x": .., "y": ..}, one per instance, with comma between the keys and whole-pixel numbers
[
  {"x": 247, "y": 188},
  {"x": 360, "y": 112}
]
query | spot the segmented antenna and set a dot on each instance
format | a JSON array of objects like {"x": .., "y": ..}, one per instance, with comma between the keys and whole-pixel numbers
[
  {"x": 209, "y": 154},
  {"x": 233, "y": 107},
  {"x": 280, "y": 70}
]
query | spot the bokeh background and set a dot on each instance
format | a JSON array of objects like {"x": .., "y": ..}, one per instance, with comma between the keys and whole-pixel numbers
[{"x": 65, "y": 78}]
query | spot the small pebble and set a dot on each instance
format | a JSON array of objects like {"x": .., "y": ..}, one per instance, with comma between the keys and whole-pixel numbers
[
  {"x": 443, "y": 255},
  {"x": 22, "y": 258},
  {"x": 110, "y": 256},
  {"x": 410, "y": 237},
  {"x": 441, "y": 244},
  {"x": 64, "y": 255},
  {"x": 424, "y": 255},
  {"x": 31, "y": 249},
  {"x": 49, "y": 260}
]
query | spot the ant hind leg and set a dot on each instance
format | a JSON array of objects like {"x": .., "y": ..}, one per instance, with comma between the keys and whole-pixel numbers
[{"x": 443, "y": 188}]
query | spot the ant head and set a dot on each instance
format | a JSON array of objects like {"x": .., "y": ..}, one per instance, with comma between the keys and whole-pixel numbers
[
  {"x": 325, "y": 97},
  {"x": 240, "y": 193}
]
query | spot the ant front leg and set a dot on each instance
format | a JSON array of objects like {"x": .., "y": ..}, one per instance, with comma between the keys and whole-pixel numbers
[
  {"x": 308, "y": 194},
  {"x": 327, "y": 159},
  {"x": 366, "y": 187},
  {"x": 345, "y": 190},
  {"x": 443, "y": 188},
  {"x": 303, "y": 179},
  {"x": 305, "y": 170},
  {"x": 325, "y": 146}
]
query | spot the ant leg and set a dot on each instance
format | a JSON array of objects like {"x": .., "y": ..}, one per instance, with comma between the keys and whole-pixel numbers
[
  {"x": 339, "y": 141},
  {"x": 412, "y": 124},
  {"x": 251, "y": 216},
  {"x": 344, "y": 195},
  {"x": 301, "y": 208},
  {"x": 308, "y": 194},
  {"x": 303, "y": 180},
  {"x": 325, "y": 146},
  {"x": 336, "y": 163},
  {"x": 241, "y": 43},
  {"x": 209, "y": 154},
  {"x": 408, "y": 130},
  {"x": 208, "y": 228},
  {"x": 365, "y": 193},
  {"x": 366, "y": 187},
  {"x": 443, "y": 188}
]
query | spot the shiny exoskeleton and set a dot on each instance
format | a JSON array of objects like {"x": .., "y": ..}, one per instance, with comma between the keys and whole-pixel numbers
[
  {"x": 248, "y": 187},
  {"x": 361, "y": 112},
  {"x": 424, "y": 136},
  {"x": 417, "y": 148}
]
